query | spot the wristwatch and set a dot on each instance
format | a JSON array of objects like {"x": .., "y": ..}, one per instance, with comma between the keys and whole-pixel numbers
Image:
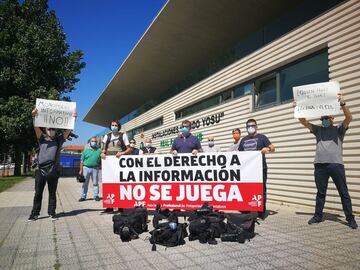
[{"x": 342, "y": 104}]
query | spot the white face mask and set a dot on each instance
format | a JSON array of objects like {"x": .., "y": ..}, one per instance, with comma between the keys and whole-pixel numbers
[
  {"x": 51, "y": 132},
  {"x": 148, "y": 145},
  {"x": 251, "y": 130},
  {"x": 132, "y": 145}
]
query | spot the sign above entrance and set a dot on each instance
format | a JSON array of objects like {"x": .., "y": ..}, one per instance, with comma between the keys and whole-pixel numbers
[{"x": 203, "y": 122}]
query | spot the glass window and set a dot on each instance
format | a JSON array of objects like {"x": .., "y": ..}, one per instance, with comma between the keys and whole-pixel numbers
[
  {"x": 226, "y": 96},
  {"x": 202, "y": 105},
  {"x": 265, "y": 91},
  {"x": 243, "y": 89},
  {"x": 147, "y": 126},
  {"x": 153, "y": 124},
  {"x": 314, "y": 69}
]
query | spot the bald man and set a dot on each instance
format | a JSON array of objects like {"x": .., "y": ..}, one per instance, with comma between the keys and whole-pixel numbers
[
  {"x": 149, "y": 149},
  {"x": 211, "y": 147}
]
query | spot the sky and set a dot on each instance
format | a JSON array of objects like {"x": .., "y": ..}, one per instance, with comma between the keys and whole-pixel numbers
[{"x": 106, "y": 31}]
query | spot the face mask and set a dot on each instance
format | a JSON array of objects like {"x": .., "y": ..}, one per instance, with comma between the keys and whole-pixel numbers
[
  {"x": 51, "y": 132},
  {"x": 148, "y": 145},
  {"x": 184, "y": 130},
  {"x": 114, "y": 128},
  {"x": 251, "y": 130},
  {"x": 93, "y": 144},
  {"x": 132, "y": 145},
  {"x": 326, "y": 122},
  {"x": 236, "y": 136},
  {"x": 211, "y": 143}
]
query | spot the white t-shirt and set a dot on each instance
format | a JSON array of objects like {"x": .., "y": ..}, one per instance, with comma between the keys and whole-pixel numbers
[
  {"x": 114, "y": 142},
  {"x": 208, "y": 149},
  {"x": 234, "y": 146}
]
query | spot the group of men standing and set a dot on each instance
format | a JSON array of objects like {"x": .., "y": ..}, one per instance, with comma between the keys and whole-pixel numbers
[{"x": 328, "y": 158}]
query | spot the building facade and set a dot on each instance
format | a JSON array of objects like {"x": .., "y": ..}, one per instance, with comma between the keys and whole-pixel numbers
[{"x": 259, "y": 85}]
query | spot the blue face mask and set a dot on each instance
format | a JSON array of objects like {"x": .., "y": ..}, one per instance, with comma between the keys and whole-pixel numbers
[
  {"x": 93, "y": 144},
  {"x": 185, "y": 130},
  {"x": 211, "y": 143},
  {"x": 114, "y": 128},
  {"x": 326, "y": 123}
]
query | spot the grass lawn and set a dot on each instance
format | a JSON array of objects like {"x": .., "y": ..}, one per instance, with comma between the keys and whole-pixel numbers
[{"x": 8, "y": 182}]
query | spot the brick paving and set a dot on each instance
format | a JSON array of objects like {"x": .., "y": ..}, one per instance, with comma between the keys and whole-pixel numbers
[{"x": 82, "y": 238}]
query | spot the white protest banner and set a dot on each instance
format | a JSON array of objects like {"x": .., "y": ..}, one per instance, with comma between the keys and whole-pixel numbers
[
  {"x": 228, "y": 181},
  {"x": 55, "y": 114},
  {"x": 315, "y": 100}
]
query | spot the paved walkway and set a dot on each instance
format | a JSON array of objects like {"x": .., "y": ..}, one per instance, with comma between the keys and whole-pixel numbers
[{"x": 83, "y": 239}]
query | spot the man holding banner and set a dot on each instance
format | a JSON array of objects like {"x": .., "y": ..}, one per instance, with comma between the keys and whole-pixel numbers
[
  {"x": 257, "y": 142},
  {"x": 52, "y": 115},
  {"x": 329, "y": 144}
]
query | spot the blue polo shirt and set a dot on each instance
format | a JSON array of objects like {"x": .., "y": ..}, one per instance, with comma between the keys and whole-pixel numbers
[{"x": 186, "y": 144}]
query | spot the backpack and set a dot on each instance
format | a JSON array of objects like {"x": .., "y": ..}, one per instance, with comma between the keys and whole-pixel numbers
[
  {"x": 130, "y": 223},
  {"x": 239, "y": 227},
  {"x": 167, "y": 230},
  {"x": 108, "y": 138},
  {"x": 205, "y": 225}
]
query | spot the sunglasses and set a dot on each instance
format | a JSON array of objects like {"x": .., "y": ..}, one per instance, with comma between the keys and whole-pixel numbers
[{"x": 252, "y": 126}]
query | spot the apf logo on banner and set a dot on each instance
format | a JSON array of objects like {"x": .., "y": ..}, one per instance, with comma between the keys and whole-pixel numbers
[
  {"x": 110, "y": 198},
  {"x": 228, "y": 181}
]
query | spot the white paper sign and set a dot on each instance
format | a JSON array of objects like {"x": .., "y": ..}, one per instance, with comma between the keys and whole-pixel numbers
[
  {"x": 315, "y": 100},
  {"x": 55, "y": 114}
]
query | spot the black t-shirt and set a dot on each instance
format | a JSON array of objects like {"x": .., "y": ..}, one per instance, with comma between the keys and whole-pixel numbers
[{"x": 255, "y": 143}]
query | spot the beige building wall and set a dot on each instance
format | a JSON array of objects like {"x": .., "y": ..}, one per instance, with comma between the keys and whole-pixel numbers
[{"x": 290, "y": 175}]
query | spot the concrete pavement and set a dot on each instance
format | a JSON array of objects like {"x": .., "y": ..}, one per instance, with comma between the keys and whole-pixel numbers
[{"x": 82, "y": 238}]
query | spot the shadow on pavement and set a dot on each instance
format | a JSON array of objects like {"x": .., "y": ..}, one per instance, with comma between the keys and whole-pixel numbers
[
  {"x": 326, "y": 216},
  {"x": 77, "y": 212}
]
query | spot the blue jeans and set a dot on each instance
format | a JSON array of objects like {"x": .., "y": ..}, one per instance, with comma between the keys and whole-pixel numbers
[
  {"x": 337, "y": 172},
  {"x": 92, "y": 173}
]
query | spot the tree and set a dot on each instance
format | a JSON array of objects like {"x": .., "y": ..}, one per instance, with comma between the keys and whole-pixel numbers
[{"x": 35, "y": 62}]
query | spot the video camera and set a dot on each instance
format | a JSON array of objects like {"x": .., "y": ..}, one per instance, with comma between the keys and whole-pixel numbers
[{"x": 72, "y": 135}]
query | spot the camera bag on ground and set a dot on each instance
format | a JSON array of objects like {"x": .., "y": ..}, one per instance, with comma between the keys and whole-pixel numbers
[
  {"x": 205, "y": 225},
  {"x": 167, "y": 229},
  {"x": 130, "y": 223},
  {"x": 239, "y": 227}
]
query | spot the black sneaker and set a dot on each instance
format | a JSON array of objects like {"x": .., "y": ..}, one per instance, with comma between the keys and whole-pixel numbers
[
  {"x": 82, "y": 199},
  {"x": 32, "y": 217},
  {"x": 97, "y": 198},
  {"x": 314, "y": 220},
  {"x": 352, "y": 224},
  {"x": 54, "y": 217}
]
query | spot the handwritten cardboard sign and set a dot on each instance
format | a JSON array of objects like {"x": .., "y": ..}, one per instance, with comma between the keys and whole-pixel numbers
[
  {"x": 315, "y": 100},
  {"x": 55, "y": 114}
]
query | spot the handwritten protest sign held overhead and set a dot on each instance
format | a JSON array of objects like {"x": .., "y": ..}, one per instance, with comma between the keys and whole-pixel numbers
[
  {"x": 315, "y": 100},
  {"x": 55, "y": 114},
  {"x": 228, "y": 181}
]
